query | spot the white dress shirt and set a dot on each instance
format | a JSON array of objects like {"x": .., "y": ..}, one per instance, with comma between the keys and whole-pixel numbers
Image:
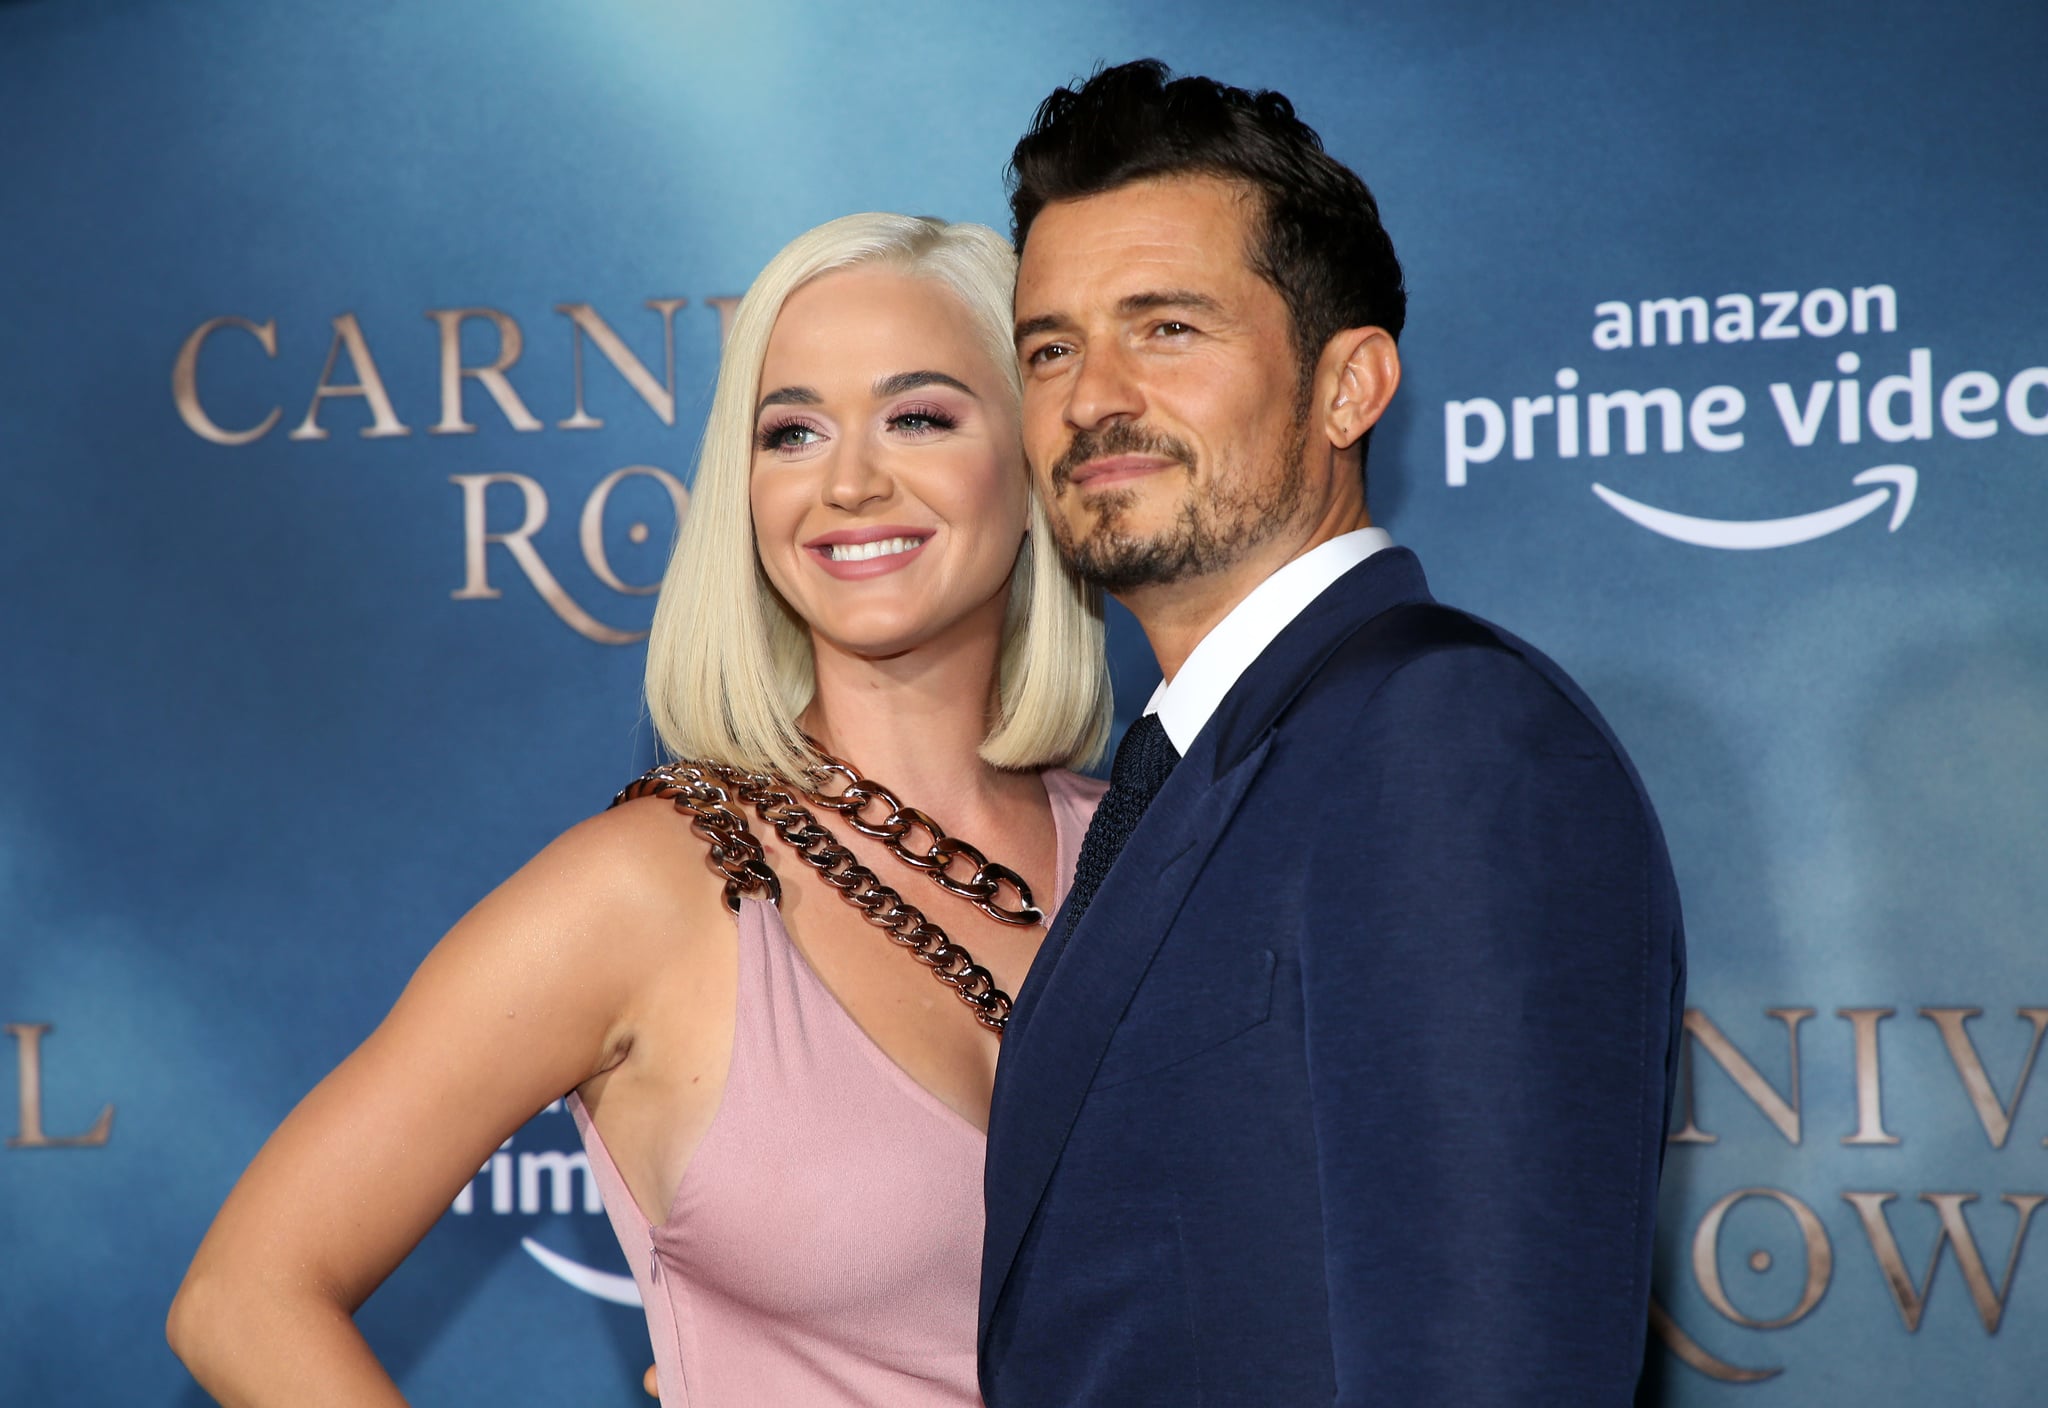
[{"x": 1185, "y": 702}]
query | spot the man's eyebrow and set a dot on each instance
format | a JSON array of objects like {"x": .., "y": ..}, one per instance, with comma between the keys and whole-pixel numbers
[
  {"x": 1168, "y": 298},
  {"x": 909, "y": 381},
  {"x": 1149, "y": 301},
  {"x": 1044, "y": 322},
  {"x": 789, "y": 396}
]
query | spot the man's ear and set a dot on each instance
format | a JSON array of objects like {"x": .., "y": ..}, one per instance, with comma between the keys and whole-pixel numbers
[{"x": 1360, "y": 371}]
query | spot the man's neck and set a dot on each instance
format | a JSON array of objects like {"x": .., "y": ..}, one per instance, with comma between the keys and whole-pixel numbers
[{"x": 1177, "y": 615}]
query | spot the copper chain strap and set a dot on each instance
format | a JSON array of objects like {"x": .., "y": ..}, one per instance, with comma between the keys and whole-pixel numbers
[
  {"x": 735, "y": 853},
  {"x": 703, "y": 791},
  {"x": 983, "y": 888}
]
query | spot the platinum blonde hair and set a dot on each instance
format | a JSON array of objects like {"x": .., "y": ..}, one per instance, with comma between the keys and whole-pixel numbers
[{"x": 729, "y": 664}]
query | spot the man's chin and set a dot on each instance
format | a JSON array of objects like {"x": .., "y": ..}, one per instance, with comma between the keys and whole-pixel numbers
[{"x": 1120, "y": 563}]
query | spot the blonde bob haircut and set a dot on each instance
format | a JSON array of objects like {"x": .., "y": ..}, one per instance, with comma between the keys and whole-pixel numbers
[{"x": 729, "y": 664}]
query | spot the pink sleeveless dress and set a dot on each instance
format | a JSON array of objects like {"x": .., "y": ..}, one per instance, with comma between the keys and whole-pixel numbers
[{"x": 824, "y": 1247}]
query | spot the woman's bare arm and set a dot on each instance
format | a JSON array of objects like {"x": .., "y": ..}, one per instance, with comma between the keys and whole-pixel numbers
[{"x": 524, "y": 999}]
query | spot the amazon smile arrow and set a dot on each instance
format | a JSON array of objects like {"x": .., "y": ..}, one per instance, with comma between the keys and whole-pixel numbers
[
  {"x": 619, "y": 1290},
  {"x": 1750, "y": 534}
]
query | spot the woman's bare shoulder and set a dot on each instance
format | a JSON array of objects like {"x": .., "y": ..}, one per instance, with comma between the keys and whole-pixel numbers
[
  {"x": 634, "y": 876},
  {"x": 646, "y": 843}
]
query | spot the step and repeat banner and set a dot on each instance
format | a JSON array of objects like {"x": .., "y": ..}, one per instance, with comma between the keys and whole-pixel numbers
[{"x": 352, "y": 367}]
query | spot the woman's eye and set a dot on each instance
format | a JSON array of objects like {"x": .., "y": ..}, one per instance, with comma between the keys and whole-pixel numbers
[
  {"x": 922, "y": 420},
  {"x": 790, "y": 435}
]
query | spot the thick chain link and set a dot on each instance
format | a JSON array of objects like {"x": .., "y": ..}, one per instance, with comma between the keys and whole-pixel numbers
[
  {"x": 735, "y": 853},
  {"x": 899, "y": 826},
  {"x": 702, "y": 791}
]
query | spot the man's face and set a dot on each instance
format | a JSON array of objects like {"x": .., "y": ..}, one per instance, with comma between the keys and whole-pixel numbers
[{"x": 1162, "y": 409}]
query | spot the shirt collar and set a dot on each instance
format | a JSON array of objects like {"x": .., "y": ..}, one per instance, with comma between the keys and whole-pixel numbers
[{"x": 1185, "y": 702}]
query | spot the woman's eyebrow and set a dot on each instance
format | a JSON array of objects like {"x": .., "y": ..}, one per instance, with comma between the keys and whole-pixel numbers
[
  {"x": 901, "y": 382},
  {"x": 789, "y": 396}
]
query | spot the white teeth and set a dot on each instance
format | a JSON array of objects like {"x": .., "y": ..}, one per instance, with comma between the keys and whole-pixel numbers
[{"x": 861, "y": 552}]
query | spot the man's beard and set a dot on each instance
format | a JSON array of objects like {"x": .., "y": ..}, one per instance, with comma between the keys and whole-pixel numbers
[{"x": 1207, "y": 535}]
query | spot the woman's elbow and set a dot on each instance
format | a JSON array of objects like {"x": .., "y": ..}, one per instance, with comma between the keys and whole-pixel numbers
[{"x": 198, "y": 1320}]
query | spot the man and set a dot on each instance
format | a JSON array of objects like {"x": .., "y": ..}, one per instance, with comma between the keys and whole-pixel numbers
[{"x": 1345, "y": 1074}]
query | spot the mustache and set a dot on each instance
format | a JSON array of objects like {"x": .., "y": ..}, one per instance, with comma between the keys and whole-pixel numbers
[{"x": 1119, "y": 438}]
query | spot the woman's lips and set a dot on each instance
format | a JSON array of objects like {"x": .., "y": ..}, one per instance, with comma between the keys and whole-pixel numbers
[{"x": 858, "y": 553}]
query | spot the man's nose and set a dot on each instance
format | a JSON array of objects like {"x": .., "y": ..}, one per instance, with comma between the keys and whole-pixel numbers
[{"x": 1104, "y": 389}]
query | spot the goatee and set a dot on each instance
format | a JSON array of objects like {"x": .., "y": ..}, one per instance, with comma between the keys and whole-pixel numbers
[{"x": 1208, "y": 534}]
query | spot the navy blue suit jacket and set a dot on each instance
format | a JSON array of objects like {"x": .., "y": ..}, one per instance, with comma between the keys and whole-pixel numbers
[{"x": 1352, "y": 1085}]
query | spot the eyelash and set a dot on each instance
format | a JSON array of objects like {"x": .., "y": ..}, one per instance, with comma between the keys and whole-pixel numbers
[
  {"x": 772, "y": 435},
  {"x": 938, "y": 419}
]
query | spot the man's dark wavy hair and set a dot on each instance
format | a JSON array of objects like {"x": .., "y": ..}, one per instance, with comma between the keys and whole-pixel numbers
[{"x": 1317, "y": 239}]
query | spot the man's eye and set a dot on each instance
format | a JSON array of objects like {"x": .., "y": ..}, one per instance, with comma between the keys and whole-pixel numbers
[
  {"x": 1170, "y": 328},
  {"x": 1051, "y": 351}
]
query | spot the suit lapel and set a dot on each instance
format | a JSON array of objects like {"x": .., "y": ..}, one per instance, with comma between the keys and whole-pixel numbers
[{"x": 1050, "y": 1057}]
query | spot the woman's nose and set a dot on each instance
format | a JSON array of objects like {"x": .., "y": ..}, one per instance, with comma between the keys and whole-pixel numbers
[{"x": 857, "y": 477}]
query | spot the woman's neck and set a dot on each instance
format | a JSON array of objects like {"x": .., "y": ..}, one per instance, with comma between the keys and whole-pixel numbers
[{"x": 915, "y": 722}]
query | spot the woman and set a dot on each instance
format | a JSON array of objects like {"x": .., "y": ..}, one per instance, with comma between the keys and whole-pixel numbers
[{"x": 783, "y": 1108}]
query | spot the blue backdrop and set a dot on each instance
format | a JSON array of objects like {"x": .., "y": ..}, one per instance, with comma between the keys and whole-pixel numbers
[{"x": 1727, "y": 385}]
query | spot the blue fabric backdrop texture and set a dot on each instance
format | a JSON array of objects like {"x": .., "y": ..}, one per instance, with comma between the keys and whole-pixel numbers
[{"x": 1727, "y": 386}]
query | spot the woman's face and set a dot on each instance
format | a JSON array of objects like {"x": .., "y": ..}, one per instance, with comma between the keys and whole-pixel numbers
[{"x": 888, "y": 481}]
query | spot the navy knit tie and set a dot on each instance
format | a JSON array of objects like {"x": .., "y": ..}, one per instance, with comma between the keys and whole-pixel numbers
[{"x": 1143, "y": 760}]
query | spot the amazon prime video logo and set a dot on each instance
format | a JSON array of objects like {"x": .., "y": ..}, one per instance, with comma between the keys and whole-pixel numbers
[
  {"x": 531, "y": 1177},
  {"x": 1893, "y": 401}
]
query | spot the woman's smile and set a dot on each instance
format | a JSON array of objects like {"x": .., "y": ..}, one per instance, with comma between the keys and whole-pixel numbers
[{"x": 854, "y": 553}]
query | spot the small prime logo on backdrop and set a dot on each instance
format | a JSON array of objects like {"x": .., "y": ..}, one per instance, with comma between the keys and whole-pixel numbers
[
  {"x": 536, "y": 1174},
  {"x": 1877, "y": 392},
  {"x": 214, "y": 381}
]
